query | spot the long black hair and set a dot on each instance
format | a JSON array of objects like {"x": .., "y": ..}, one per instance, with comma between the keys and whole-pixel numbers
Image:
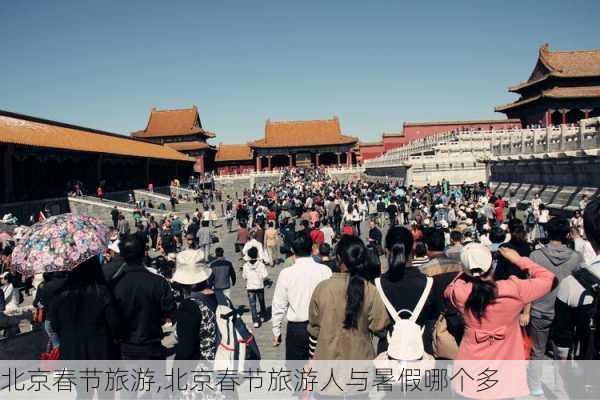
[
  {"x": 483, "y": 294},
  {"x": 352, "y": 252},
  {"x": 399, "y": 244}
]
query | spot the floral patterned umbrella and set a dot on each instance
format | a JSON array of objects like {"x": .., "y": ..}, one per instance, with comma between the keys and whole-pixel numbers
[{"x": 59, "y": 243}]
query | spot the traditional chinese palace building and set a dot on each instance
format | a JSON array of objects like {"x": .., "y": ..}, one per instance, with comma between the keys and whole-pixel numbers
[
  {"x": 40, "y": 158},
  {"x": 563, "y": 88},
  {"x": 291, "y": 143},
  {"x": 181, "y": 130}
]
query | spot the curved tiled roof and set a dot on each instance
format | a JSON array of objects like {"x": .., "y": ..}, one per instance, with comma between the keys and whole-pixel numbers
[
  {"x": 29, "y": 131},
  {"x": 564, "y": 64},
  {"x": 233, "y": 152},
  {"x": 303, "y": 133},
  {"x": 189, "y": 146},
  {"x": 557, "y": 93},
  {"x": 184, "y": 121}
]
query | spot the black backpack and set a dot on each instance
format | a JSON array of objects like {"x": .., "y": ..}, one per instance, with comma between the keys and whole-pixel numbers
[{"x": 587, "y": 331}]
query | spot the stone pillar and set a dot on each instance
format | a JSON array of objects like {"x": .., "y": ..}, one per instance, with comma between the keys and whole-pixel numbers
[
  {"x": 581, "y": 135},
  {"x": 563, "y": 112},
  {"x": 563, "y": 134},
  {"x": 338, "y": 155},
  {"x": 258, "y": 166},
  {"x": 291, "y": 160},
  {"x": 548, "y": 137},
  {"x": 316, "y": 159},
  {"x": 8, "y": 171},
  {"x": 586, "y": 112},
  {"x": 349, "y": 159},
  {"x": 534, "y": 144},
  {"x": 522, "y": 141},
  {"x": 269, "y": 164}
]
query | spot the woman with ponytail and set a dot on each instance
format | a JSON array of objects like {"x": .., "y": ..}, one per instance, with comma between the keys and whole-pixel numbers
[
  {"x": 404, "y": 284},
  {"x": 346, "y": 309},
  {"x": 491, "y": 309}
]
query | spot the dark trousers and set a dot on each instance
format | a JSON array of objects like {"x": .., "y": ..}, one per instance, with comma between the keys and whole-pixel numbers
[
  {"x": 512, "y": 213},
  {"x": 252, "y": 296},
  {"x": 296, "y": 341}
]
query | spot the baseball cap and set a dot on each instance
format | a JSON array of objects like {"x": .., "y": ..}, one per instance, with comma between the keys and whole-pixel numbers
[{"x": 476, "y": 258}]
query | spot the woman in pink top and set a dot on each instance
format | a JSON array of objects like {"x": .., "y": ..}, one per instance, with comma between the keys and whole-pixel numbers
[{"x": 491, "y": 311}]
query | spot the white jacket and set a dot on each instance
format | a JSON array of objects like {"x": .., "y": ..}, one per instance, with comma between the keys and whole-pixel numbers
[{"x": 255, "y": 275}]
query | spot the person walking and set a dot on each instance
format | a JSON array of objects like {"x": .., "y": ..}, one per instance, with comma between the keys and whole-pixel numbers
[
  {"x": 196, "y": 319},
  {"x": 271, "y": 242},
  {"x": 291, "y": 298},
  {"x": 345, "y": 310},
  {"x": 223, "y": 274},
  {"x": 114, "y": 215},
  {"x": 255, "y": 273},
  {"x": 403, "y": 284},
  {"x": 144, "y": 301},
  {"x": 84, "y": 316},
  {"x": 558, "y": 258},
  {"x": 204, "y": 238},
  {"x": 491, "y": 310}
]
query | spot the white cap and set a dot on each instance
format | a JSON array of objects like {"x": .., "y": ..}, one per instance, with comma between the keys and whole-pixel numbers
[{"x": 476, "y": 258}]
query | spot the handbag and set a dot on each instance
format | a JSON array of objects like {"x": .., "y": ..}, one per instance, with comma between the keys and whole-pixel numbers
[
  {"x": 444, "y": 343},
  {"x": 51, "y": 354},
  {"x": 214, "y": 239}
]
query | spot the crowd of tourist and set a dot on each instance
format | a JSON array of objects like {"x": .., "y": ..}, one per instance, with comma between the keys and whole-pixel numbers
[{"x": 362, "y": 271}]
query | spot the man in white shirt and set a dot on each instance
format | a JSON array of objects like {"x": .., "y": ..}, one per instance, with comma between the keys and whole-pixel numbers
[
  {"x": 328, "y": 232},
  {"x": 293, "y": 291}
]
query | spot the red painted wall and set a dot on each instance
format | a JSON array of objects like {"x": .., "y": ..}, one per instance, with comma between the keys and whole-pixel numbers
[
  {"x": 391, "y": 142},
  {"x": 412, "y": 132},
  {"x": 370, "y": 151},
  {"x": 236, "y": 169}
]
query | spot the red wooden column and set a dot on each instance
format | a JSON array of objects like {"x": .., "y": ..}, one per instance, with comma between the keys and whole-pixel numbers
[
  {"x": 258, "y": 166},
  {"x": 548, "y": 117},
  {"x": 269, "y": 165},
  {"x": 338, "y": 154},
  {"x": 563, "y": 112},
  {"x": 291, "y": 160},
  {"x": 586, "y": 112},
  {"x": 349, "y": 159},
  {"x": 317, "y": 159}
]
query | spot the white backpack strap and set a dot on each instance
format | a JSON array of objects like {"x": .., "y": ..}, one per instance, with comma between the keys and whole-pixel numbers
[
  {"x": 422, "y": 300},
  {"x": 391, "y": 310}
]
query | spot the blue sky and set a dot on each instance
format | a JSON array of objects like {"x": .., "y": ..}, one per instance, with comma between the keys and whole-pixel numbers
[{"x": 374, "y": 64}]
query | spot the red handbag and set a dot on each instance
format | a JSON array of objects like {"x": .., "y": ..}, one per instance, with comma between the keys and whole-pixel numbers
[{"x": 48, "y": 357}]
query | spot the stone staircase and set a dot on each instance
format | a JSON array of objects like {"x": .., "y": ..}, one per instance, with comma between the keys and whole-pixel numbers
[{"x": 561, "y": 200}]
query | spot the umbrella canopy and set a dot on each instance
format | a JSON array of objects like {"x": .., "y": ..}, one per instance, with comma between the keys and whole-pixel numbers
[{"x": 59, "y": 243}]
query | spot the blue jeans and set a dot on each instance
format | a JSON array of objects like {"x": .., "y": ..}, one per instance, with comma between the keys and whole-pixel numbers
[
  {"x": 252, "y": 295},
  {"x": 51, "y": 334}
]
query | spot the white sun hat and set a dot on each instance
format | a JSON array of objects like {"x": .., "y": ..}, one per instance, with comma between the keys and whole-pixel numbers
[{"x": 190, "y": 268}]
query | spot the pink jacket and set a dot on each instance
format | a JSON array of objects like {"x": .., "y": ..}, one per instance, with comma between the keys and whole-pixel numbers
[{"x": 498, "y": 335}]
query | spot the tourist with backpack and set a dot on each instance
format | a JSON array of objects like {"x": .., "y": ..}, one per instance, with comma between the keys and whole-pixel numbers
[
  {"x": 491, "y": 310},
  {"x": 404, "y": 287},
  {"x": 558, "y": 258},
  {"x": 574, "y": 330},
  {"x": 196, "y": 327}
]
